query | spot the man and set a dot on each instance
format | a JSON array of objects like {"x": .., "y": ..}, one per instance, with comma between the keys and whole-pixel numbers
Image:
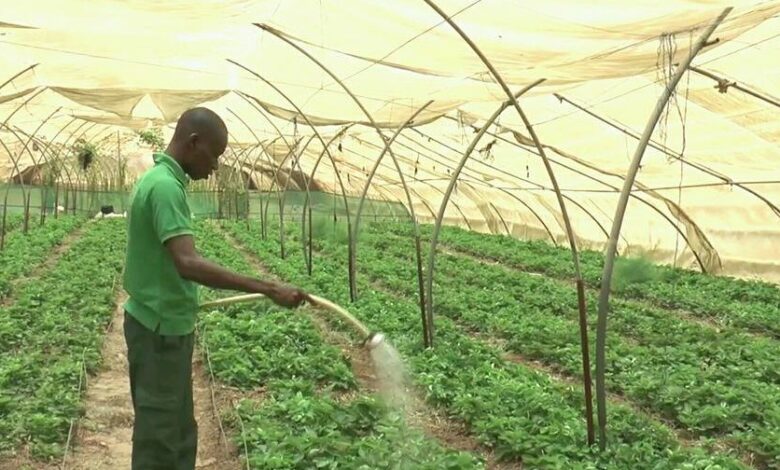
[{"x": 162, "y": 271}]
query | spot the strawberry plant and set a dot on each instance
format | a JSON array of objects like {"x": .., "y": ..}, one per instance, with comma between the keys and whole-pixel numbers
[
  {"x": 12, "y": 222},
  {"x": 747, "y": 304},
  {"x": 518, "y": 411},
  {"x": 54, "y": 330},
  {"x": 709, "y": 382},
  {"x": 23, "y": 252},
  {"x": 303, "y": 422}
]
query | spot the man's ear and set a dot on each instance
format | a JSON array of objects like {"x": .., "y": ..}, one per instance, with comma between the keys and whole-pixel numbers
[{"x": 193, "y": 139}]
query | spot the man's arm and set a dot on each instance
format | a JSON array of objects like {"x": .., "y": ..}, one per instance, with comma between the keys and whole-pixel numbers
[{"x": 194, "y": 267}]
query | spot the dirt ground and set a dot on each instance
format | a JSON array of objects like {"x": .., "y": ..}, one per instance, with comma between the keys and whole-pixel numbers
[{"x": 103, "y": 437}]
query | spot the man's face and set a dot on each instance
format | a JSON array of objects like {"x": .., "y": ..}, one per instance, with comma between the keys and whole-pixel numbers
[{"x": 205, "y": 156}]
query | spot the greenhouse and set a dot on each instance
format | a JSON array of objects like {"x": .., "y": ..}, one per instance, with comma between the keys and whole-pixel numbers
[{"x": 530, "y": 234}]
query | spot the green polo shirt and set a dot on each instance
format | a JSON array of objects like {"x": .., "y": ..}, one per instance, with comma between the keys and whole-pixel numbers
[{"x": 159, "y": 298}]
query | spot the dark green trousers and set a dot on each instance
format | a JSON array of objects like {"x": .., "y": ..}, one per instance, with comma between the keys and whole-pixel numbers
[{"x": 165, "y": 433}]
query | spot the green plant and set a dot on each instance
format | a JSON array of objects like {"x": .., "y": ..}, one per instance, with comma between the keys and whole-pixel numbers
[
  {"x": 152, "y": 137},
  {"x": 631, "y": 271},
  {"x": 86, "y": 152},
  {"x": 520, "y": 413},
  {"x": 50, "y": 334}
]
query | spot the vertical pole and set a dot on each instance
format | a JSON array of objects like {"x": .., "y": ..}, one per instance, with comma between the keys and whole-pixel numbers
[
  {"x": 617, "y": 222},
  {"x": 2, "y": 231},
  {"x": 585, "y": 346},
  {"x": 27, "y": 212},
  {"x": 531, "y": 132},
  {"x": 310, "y": 241}
]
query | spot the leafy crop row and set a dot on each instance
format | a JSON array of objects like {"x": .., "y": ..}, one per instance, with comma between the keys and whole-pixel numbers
[
  {"x": 710, "y": 383},
  {"x": 302, "y": 422},
  {"x": 12, "y": 222},
  {"x": 22, "y": 252},
  {"x": 519, "y": 412},
  {"x": 53, "y": 330},
  {"x": 752, "y": 305}
]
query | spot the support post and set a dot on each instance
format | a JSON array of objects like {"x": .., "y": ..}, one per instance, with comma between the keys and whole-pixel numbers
[
  {"x": 617, "y": 223},
  {"x": 548, "y": 167}
]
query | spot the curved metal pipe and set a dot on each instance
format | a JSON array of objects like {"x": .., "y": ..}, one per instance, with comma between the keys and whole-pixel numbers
[
  {"x": 255, "y": 104},
  {"x": 617, "y": 222},
  {"x": 670, "y": 153},
  {"x": 306, "y": 209},
  {"x": 398, "y": 183},
  {"x": 429, "y": 339},
  {"x": 564, "y": 213},
  {"x": 316, "y": 133},
  {"x": 37, "y": 162},
  {"x": 426, "y": 323},
  {"x": 15, "y": 160},
  {"x": 17, "y": 75}
]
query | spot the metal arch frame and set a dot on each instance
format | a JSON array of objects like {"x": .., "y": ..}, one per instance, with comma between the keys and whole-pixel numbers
[
  {"x": 226, "y": 183},
  {"x": 379, "y": 189},
  {"x": 501, "y": 217},
  {"x": 428, "y": 340},
  {"x": 593, "y": 178},
  {"x": 283, "y": 198},
  {"x": 427, "y": 324},
  {"x": 381, "y": 192},
  {"x": 665, "y": 150},
  {"x": 18, "y": 74},
  {"x": 564, "y": 214},
  {"x": 264, "y": 207},
  {"x": 555, "y": 242},
  {"x": 5, "y": 205},
  {"x": 256, "y": 106},
  {"x": 52, "y": 159},
  {"x": 68, "y": 151},
  {"x": 477, "y": 181},
  {"x": 412, "y": 191},
  {"x": 15, "y": 161},
  {"x": 236, "y": 164},
  {"x": 473, "y": 181},
  {"x": 319, "y": 137},
  {"x": 306, "y": 208},
  {"x": 282, "y": 193},
  {"x": 536, "y": 214},
  {"x": 411, "y": 188},
  {"x": 99, "y": 166},
  {"x": 451, "y": 186},
  {"x": 275, "y": 182},
  {"x": 44, "y": 152},
  {"x": 62, "y": 163},
  {"x": 617, "y": 222},
  {"x": 254, "y": 163},
  {"x": 239, "y": 158},
  {"x": 568, "y": 198},
  {"x": 393, "y": 183},
  {"x": 30, "y": 138}
]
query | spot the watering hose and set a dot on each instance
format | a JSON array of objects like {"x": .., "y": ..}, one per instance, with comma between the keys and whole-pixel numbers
[{"x": 371, "y": 339}]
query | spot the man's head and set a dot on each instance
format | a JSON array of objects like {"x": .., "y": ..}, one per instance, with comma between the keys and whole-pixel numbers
[{"x": 198, "y": 141}]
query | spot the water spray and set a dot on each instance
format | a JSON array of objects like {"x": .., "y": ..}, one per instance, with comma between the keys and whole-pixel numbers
[{"x": 388, "y": 364}]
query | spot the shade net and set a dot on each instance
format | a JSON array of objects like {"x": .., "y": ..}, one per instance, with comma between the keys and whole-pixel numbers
[{"x": 705, "y": 196}]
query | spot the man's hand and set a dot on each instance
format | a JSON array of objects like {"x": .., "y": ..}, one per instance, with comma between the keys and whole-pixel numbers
[
  {"x": 194, "y": 267},
  {"x": 287, "y": 296}
]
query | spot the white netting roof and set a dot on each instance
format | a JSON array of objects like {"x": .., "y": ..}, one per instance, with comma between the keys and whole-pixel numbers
[{"x": 106, "y": 68}]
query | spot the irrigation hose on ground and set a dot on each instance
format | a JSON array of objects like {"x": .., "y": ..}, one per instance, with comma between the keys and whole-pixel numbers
[{"x": 370, "y": 339}]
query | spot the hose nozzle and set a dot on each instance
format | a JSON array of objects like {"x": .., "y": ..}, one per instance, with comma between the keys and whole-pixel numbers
[{"x": 374, "y": 340}]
